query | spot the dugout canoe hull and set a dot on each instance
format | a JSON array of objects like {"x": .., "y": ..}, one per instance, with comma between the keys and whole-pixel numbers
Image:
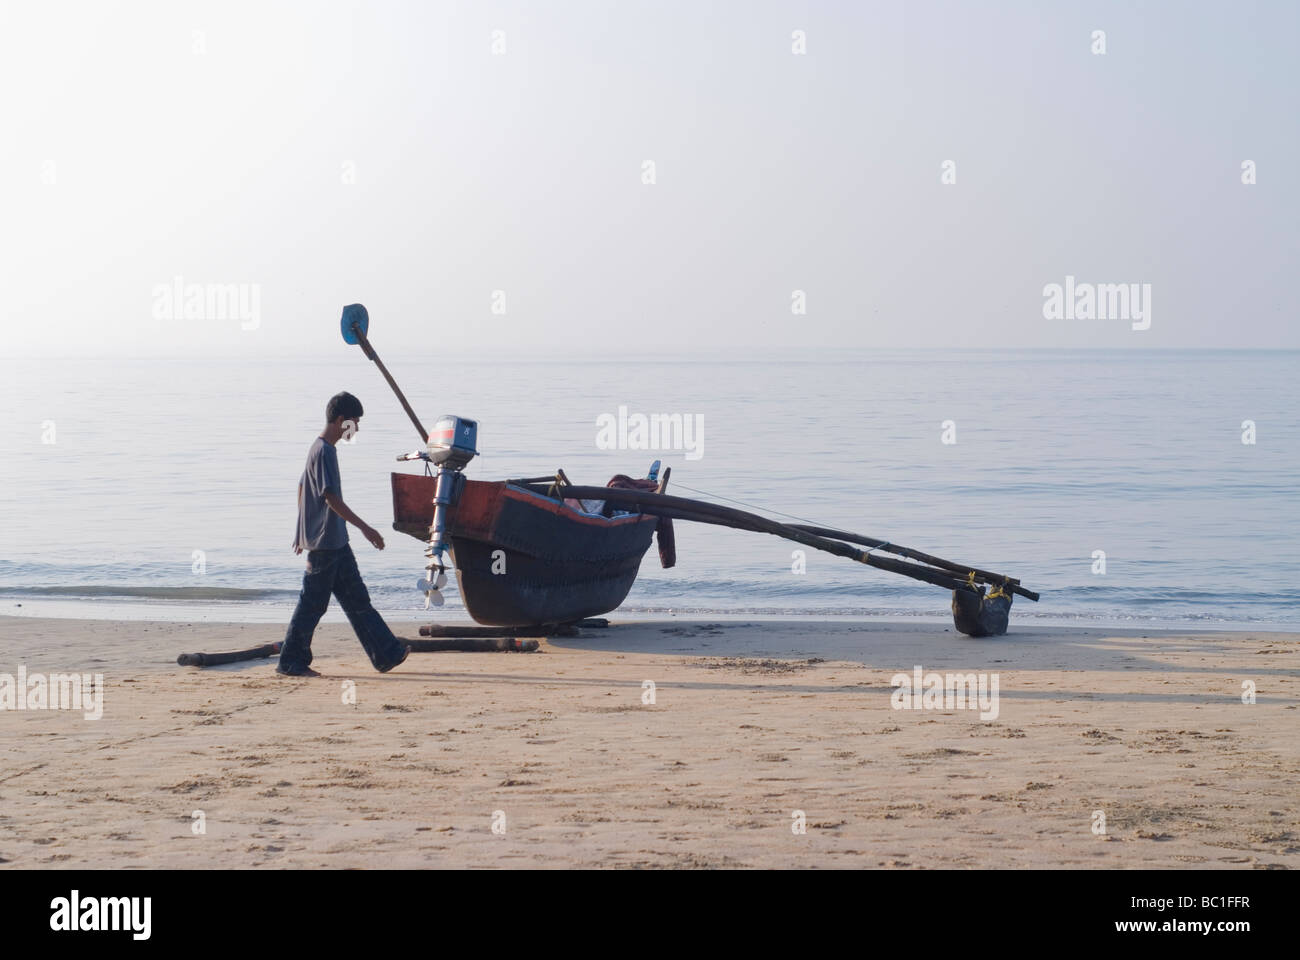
[{"x": 524, "y": 559}]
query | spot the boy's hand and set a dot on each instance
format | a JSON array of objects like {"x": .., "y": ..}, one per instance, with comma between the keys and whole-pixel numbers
[
  {"x": 373, "y": 536},
  {"x": 297, "y": 549}
]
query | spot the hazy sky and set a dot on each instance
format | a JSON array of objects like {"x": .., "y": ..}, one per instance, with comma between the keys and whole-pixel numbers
[{"x": 321, "y": 153}]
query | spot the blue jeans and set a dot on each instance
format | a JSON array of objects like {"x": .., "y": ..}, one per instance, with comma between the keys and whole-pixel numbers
[{"x": 335, "y": 571}]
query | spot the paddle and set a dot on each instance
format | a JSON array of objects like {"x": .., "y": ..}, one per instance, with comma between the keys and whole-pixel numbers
[{"x": 355, "y": 324}]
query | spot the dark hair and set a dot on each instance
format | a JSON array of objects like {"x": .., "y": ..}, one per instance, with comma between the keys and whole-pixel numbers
[{"x": 343, "y": 405}]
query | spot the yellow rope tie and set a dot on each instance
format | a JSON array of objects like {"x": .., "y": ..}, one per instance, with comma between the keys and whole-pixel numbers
[{"x": 996, "y": 592}]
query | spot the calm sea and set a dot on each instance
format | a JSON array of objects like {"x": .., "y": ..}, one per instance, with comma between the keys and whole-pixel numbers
[{"x": 168, "y": 489}]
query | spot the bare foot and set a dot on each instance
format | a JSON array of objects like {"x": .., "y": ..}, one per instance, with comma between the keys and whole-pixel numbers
[{"x": 300, "y": 672}]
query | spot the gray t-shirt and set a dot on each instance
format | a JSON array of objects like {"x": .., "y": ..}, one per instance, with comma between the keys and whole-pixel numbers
[{"x": 319, "y": 527}]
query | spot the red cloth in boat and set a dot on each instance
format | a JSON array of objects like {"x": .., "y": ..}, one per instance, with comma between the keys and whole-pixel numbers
[{"x": 664, "y": 530}]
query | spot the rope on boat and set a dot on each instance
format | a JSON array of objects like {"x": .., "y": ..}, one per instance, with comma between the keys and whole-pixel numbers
[{"x": 743, "y": 503}]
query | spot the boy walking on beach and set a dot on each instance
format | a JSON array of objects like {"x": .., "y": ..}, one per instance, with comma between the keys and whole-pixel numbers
[{"x": 331, "y": 567}]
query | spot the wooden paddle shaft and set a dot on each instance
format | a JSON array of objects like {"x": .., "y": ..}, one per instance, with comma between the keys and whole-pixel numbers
[{"x": 401, "y": 397}]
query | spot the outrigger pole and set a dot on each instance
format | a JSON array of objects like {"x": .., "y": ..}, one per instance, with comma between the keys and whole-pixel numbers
[
  {"x": 975, "y": 611},
  {"x": 981, "y": 576},
  {"x": 933, "y": 569}
]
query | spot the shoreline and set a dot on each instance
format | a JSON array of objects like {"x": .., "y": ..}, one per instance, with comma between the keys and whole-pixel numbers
[
  {"x": 180, "y": 612},
  {"x": 752, "y": 723}
]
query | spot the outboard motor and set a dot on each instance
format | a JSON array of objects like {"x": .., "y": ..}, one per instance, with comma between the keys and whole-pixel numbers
[{"x": 451, "y": 446}]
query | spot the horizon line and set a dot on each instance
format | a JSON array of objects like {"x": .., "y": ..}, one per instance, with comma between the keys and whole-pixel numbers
[{"x": 804, "y": 354}]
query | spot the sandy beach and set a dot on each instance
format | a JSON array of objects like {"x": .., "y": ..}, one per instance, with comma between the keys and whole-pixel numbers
[{"x": 560, "y": 752}]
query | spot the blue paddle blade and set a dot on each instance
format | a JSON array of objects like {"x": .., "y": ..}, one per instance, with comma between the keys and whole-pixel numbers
[{"x": 354, "y": 313}]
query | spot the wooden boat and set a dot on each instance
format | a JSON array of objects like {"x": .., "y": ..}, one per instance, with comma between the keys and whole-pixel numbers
[{"x": 523, "y": 558}]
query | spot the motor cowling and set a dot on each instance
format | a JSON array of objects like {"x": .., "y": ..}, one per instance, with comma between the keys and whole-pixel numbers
[{"x": 453, "y": 441}]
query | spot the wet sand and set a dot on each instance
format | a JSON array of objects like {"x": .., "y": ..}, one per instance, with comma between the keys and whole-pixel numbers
[{"x": 559, "y": 751}]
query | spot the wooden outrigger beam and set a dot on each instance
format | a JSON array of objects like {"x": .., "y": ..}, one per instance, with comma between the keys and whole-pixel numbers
[
  {"x": 930, "y": 569},
  {"x": 981, "y": 576}
]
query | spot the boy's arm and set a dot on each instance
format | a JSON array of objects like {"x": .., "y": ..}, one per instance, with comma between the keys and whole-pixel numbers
[
  {"x": 296, "y": 547},
  {"x": 343, "y": 510}
]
